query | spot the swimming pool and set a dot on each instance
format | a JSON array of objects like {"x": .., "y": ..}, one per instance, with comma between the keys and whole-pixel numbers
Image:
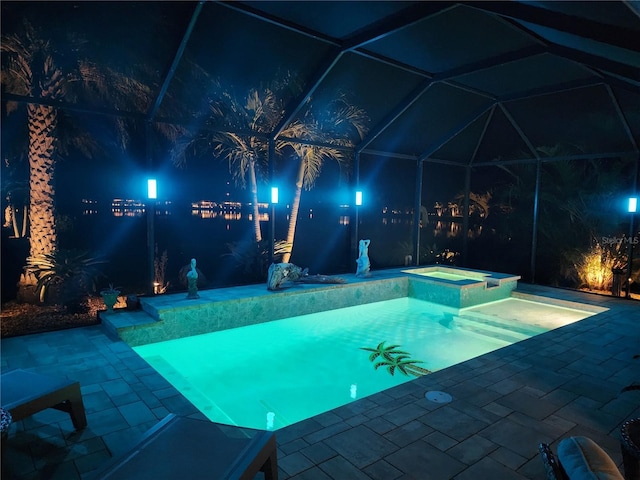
[
  {"x": 276, "y": 373},
  {"x": 167, "y": 317}
]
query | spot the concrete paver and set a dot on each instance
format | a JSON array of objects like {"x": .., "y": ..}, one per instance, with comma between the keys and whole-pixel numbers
[{"x": 564, "y": 382}]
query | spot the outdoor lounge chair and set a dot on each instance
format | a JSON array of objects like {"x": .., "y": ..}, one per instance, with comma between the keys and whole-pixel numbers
[
  {"x": 630, "y": 444},
  {"x": 25, "y": 393},
  {"x": 581, "y": 458},
  {"x": 182, "y": 447}
]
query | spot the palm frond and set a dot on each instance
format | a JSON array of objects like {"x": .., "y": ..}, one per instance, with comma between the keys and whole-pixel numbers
[{"x": 63, "y": 266}]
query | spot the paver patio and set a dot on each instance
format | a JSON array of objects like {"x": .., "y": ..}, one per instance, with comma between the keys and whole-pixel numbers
[{"x": 564, "y": 382}]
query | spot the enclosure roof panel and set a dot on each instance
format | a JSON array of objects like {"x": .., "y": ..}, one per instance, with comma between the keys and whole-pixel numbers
[{"x": 436, "y": 80}]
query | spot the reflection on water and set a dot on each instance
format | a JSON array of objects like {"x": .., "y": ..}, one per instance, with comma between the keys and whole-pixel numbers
[
  {"x": 89, "y": 207},
  {"x": 209, "y": 230},
  {"x": 229, "y": 211},
  {"x": 129, "y": 208},
  {"x": 448, "y": 229}
]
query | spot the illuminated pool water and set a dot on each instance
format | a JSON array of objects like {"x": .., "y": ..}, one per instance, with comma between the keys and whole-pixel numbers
[
  {"x": 449, "y": 276},
  {"x": 300, "y": 367}
]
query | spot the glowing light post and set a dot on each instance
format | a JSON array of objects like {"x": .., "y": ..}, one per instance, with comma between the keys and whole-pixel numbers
[
  {"x": 152, "y": 195},
  {"x": 358, "y": 205},
  {"x": 274, "y": 202},
  {"x": 633, "y": 208}
]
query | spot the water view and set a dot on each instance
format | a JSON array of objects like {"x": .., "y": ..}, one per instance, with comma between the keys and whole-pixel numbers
[{"x": 207, "y": 229}]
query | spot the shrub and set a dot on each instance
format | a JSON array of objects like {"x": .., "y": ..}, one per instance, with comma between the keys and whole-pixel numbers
[{"x": 65, "y": 277}]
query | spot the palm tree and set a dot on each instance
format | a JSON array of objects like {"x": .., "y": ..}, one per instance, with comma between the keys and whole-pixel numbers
[
  {"x": 31, "y": 68},
  {"x": 16, "y": 192},
  {"x": 395, "y": 359},
  {"x": 404, "y": 365},
  {"x": 337, "y": 124},
  {"x": 383, "y": 351},
  {"x": 261, "y": 111},
  {"x": 247, "y": 153}
]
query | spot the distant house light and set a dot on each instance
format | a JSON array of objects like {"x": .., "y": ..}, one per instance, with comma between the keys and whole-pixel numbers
[
  {"x": 152, "y": 188},
  {"x": 358, "y": 198},
  {"x": 633, "y": 204}
]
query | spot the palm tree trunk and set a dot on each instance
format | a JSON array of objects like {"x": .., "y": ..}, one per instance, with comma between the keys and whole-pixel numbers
[
  {"x": 23, "y": 232},
  {"x": 13, "y": 222},
  {"x": 291, "y": 232},
  {"x": 43, "y": 237},
  {"x": 19, "y": 232},
  {"x": 254, "y": 195}
]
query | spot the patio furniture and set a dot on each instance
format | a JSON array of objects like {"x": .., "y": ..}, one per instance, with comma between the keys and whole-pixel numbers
[
  {"x": 552, "y": 468},
  {"x": 581, "y": 457},
  {"x": 182, "y": 447},
  {"x": 630, "y": 445},
  {"x": 5, "y": 423},
  {"x": 578, "y": 458},
  {"x": 25, "y": 393}
]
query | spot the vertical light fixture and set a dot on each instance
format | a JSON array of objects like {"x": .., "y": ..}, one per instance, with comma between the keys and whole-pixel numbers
[
  {"x": 152, "y": 195},
  {"x": 632, "y": 209},
  {"x": 274, "y": 201},
  {"x": 152, "y": 189},
  {"x": 358, "y": 205}
]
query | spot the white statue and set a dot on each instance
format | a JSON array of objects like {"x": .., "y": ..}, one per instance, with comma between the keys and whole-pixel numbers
[
  {"x": 363, "y": 263},
  {"x": 192, "y": 281}
]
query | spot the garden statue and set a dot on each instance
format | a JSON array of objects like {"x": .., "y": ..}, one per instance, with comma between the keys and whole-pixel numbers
[
  {"x": 363, "y": 263},
  {"x": 192, "y": 281},
  {"x": 279, "y": 273}
]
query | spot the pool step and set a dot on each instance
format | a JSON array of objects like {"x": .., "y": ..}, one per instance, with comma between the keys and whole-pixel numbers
[
  {"x": 493, "y": 327},
  {"x": 512, "y": 325}
]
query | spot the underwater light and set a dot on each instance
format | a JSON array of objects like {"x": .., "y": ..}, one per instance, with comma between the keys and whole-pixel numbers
[{"x": 633, "y": 205}]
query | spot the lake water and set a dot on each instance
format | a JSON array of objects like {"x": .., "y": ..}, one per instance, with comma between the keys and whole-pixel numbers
[{"x": 322, "y": 243}]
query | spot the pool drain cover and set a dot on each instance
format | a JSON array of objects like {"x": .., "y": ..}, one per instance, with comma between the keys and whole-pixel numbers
[{"x": 438, "y": 397}]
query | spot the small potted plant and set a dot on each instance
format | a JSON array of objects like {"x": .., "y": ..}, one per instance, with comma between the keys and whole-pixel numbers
[{"x": 110, "y": 296}]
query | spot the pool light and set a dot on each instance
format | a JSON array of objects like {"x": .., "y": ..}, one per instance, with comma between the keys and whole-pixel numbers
[
  {"x": 359, "y": 198},
  {"x": 274, "y": 194},
  {"x": 633, "y": 205}
]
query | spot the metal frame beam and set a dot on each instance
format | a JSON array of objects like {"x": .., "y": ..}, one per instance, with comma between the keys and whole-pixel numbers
[{"x": 570, "y": 24}]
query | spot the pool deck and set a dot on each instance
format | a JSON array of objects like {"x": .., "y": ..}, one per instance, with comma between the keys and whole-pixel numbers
[{"x": 564, "y": 382}]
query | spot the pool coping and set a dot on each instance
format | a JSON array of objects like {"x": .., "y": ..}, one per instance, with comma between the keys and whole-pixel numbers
[
  {"x": 167, "y": 317},
  {"x": 482, "y": 277}
]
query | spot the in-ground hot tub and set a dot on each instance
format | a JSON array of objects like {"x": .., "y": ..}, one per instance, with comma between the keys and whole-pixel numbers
[{"x": 459, "y": 287}]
